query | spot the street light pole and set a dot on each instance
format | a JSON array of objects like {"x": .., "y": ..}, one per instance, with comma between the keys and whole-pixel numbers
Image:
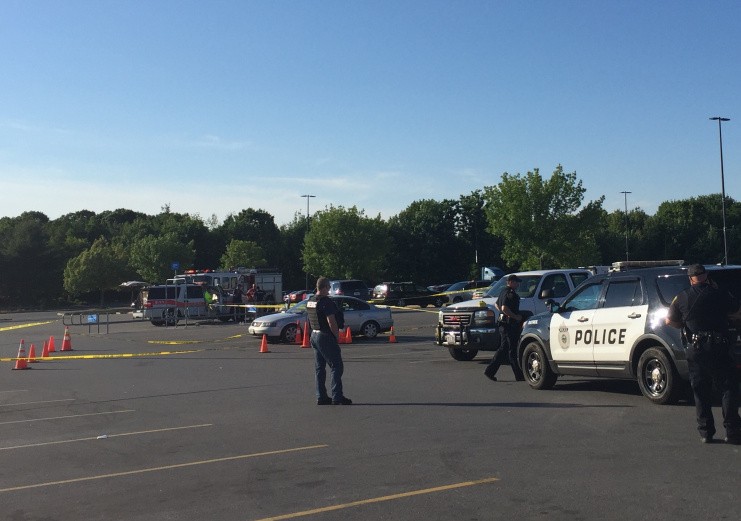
[
  {"x": 308, "y": 196},
  {"x": 626, "y": 223},
  {"x": 720, "y": 120}
]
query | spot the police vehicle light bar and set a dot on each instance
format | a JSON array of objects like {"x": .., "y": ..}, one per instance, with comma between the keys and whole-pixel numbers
[{"x": 626, "y": 265}]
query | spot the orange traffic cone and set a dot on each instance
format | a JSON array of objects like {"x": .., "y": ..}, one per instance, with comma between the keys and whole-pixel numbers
[
  {"x": 20, "y": 362},
  {"x": 32, "y": 354},
  {"x": 392, "y": 336},
  {"x": 66, "y": 341},
  {"x": 51, "y": 344},
  {"x": 348, "y": 336},
  {"x": 341, "y": 336},
  {"x": 306, "y": 343},
  {"x": 264, "y": 344},
  {"x": 297, "y": 338}
]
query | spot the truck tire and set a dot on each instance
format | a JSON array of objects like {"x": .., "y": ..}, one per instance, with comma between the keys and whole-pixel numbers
[
  {"x": 463, "y": 355},
  {"x": 401, "y": 303},
  {"x": 657, "y": 378},
  {"x": 538, "y": 373}
]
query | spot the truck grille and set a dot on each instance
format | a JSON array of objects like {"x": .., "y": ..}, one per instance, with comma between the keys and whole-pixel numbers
[{"x": 456, "y": 319}]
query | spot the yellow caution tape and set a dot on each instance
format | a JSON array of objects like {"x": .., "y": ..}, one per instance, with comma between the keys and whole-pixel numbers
[{"x": 30, "y": 324}]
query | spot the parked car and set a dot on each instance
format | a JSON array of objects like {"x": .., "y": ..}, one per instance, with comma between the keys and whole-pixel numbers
[
  {"x": 439, "y": 288},
  {"x": 361, "y": 317},
  {"x": 462, "y": 291},
  {"x": 404, "y": 293},
  {"x": 350, "y": 287},
  {"x": 297, "y": 296}
]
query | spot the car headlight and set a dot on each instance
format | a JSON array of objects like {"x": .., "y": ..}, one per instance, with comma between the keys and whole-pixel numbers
[{"x": 484, "y": 317}]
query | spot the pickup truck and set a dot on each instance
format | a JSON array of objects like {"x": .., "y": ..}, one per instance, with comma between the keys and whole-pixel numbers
[{"x": 471, "y": 326}]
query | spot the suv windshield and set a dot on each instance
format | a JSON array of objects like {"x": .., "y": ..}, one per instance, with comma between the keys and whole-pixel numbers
[{"x": 526, "y": 289}]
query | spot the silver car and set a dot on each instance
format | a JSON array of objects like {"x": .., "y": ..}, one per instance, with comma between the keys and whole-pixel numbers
[{"x": 361, "y": 317}]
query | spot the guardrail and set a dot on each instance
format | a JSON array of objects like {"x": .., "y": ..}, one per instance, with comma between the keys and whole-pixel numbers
[{"x": 97, "y": 319}]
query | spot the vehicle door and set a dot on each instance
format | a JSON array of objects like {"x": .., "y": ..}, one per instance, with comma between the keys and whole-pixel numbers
[
  {"x": 571, "y": 330},
  {"x": 619, "y": 321},
  {"x": 194, "y": 301},
  {"x": 558, "y": 284},
  {"x": 354, "y": 311}
]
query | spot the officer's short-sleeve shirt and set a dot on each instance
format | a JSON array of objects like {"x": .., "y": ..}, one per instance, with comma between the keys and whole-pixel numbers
[
  {"x": 702, "y": 308},
  {"x": 324, "y": 308}
]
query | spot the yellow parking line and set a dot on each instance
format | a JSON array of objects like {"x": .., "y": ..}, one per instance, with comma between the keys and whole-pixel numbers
[
  {"x": 159, "y": 469},
  {"x": 381, "y": 499},
  {"x": 105, "y": 436},
  {"x": 65, "y": 417},
  {"x": 30, "y": 324},
  {"x": 94, "y": 357}
]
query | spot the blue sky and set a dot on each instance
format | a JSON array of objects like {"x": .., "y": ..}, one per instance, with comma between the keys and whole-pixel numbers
[{"x": 214, "y": 107}]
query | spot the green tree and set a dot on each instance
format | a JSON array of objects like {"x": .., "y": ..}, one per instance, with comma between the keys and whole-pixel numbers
[
  {"x": 257, "y": 226},
  {"x": 289, "y": 260},
  {"x": 152, "y": 257},
  {"x": 424, "y": 245},
  {"x": 345, "y": 244},
  {"x": 243, "y": 253},
  {"x": 100, "y": 267},
  {"x": 541, "y": 222}
]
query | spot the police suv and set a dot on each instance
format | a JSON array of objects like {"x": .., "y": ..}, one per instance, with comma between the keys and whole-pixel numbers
[{"x": 613, "y": 326}]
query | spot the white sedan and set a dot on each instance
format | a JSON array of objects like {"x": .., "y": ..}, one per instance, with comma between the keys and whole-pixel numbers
[{"x": 361, "y": 317}]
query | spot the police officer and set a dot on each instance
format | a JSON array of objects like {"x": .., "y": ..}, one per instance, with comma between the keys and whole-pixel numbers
[
  {"x": 508, "y": 304},
  {"x": 324, "y": 318},
  {"x": 702, "y": 312}
]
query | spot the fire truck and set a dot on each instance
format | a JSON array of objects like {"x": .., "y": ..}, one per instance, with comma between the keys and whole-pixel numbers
[{"x": 268, "y": 282}]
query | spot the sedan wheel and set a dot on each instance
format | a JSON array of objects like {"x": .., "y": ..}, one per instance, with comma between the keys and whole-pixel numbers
[
  {"x": 289, "y": 334},
  {"x": 370, "y": 329}
]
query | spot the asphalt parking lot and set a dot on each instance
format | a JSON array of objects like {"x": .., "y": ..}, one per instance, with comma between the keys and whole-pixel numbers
[{"x": 147, "y": 423}]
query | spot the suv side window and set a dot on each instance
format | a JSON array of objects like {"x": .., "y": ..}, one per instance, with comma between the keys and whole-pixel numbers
[
  {"x": 558, "y": 283},
  {"x": 621, "y": 293},
  {"x": 578, "y": 278},
  {"x": 586, "y": 298},
  {"x": 669, "y": 286}
]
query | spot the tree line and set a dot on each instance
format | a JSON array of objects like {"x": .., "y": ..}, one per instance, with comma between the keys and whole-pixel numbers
[{"x": 524, "y": 222}]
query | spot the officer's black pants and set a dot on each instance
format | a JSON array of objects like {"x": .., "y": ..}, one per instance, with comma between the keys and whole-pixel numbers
[
  {"x": 708, "y": 365},
  {"x": 510, "y": 335}
]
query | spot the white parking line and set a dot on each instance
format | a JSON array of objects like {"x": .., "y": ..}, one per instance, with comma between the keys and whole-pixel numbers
[
  {"x": 162, "y": 468},
  {"x": 31, "y": 403},
  {"x": 66, "y": 417},
  {"x": 105, "y": 436}
]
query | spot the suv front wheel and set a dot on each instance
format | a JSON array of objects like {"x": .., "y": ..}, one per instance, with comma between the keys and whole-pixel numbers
[
  {"x": 657, "y": 378},
  {"x": 536, "y": 369}
]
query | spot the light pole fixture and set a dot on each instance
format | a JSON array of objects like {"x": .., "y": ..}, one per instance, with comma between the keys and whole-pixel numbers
[
  {"x": 627, "y": 257},
  {"x": 308, "y": 197},
  {"x": 720, "y": 120}
]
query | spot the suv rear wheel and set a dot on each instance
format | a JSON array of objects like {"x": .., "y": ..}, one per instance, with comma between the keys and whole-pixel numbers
[{"x": 657, "y": 377}]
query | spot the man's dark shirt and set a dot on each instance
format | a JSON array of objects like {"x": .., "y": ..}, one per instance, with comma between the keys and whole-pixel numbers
[
  {"x": 325, "y": 307},
  {"x": 702, "y": 307},
  {"x": 509, "y": 298}
]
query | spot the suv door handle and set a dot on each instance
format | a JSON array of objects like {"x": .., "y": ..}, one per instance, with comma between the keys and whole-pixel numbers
[
  {"x": 634, "y": 315},
  {"x": 582, "y": 319}
]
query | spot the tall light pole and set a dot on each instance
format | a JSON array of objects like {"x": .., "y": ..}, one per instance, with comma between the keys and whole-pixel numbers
[
  {"x": 626, "y": 223},
  {"x": 308, "y": 197},
  {"x": 722, "y": 186}
]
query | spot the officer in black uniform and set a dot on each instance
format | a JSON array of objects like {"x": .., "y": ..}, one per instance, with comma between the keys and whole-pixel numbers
[
  {"x": 325, "y": 318},
  {"x": 701, "y": 311},
  {"x": 509, "y": 330}
]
